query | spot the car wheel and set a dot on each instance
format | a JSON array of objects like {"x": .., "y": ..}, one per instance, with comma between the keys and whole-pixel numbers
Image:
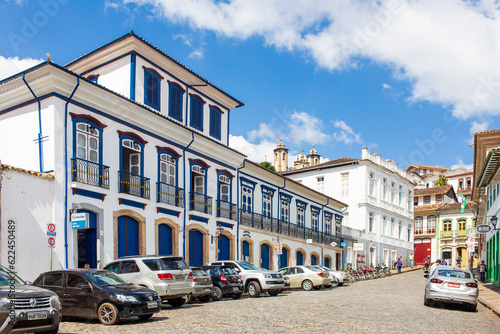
[
  {"x": 189, "y": 299},
  {"x": 340, "y": 284},
  {"x": 108, "y": 314},
  {"x": 53, "y": 331},
  {"x": 237, "y": 295},
  {"x": 472, "y": 307},
  {"x": 427, "y": 301},
  {"x": 274, "y": 292},
  {"x": 253, "y": 289},
  {"x": 307, "y": 285},
  {"x": 145, "y": 316},
  {"x": 176, "y": 302},
  {"x": 217, "y": 295},
  {"x": 204, "y": 299}
]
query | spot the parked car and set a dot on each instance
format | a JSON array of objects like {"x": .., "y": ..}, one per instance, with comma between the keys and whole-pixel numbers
[
  {"x": 169, "y": 276},
  {"x": 452, "y": 285},
  {"x": 306, "y": 277},
  {"x": 96, "y": 293},
  {"x": 202, "y": 283},
  {"x": 25, "y": 308},
  {"x": 339, "y": 275},
  {"x": 255, "y": 280},
  {"x": 226, "y": 281}
]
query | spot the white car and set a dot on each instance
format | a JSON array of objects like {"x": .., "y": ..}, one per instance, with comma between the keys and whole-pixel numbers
[
  {"x": 339, "y": 275},
  {"x": 452, "y": 285}
]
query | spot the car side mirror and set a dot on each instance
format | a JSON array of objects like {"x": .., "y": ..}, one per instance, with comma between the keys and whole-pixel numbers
[
  {"x": 86, "y": 286},
  {"x": 237, "y": 270}
]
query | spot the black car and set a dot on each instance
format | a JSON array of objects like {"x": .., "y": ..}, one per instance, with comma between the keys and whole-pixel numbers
[
  {"x": 25, "y": 308},
  {"x": 94, "y": 293},
  {"x": 226, "y": 281}
]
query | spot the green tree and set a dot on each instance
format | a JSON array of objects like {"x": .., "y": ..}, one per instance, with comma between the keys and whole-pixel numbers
[
  {"x": 441, "y": 181},
  {"x": 268, "y": 165}
]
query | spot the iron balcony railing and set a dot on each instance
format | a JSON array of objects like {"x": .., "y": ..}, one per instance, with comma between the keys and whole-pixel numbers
[
  {"x": 88, "y": 172},
  {"x": 133, "y": 184},
  {"x": 166, "y": 193},
  {"x": 426, "y": 231},
  {"x": 461, "y": 233},
  {"x": 447, "y": 234},
  {"x": 226, "y": 209},
  {"x": 285, "y": 228},
  {"x": 200, "y": 202}
]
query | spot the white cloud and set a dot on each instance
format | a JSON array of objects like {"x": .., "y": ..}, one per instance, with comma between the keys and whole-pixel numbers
[
  {"x": 386, "y": 86},
  {"x": 10, "y": 66},
  {"x": 347, "y": 134},
  {"x": 460, "y": 163},
  {"x": 264, "y": 131},
  {"x": 262, "y": 151},
  {"x": 478, "y": 127},
  {"x": 305, "y": 127},
  {"x": 452, "y": 59}
]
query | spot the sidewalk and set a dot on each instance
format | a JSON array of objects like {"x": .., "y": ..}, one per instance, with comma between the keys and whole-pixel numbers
[{"x": 406, "y": 269}]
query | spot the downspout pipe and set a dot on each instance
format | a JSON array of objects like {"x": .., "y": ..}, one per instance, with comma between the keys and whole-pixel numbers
[
  {"x": 66, "y": 171},
  {"x": 238, "y": 208},
  {"x": 323, "y": 227},
  {"x": 185, "y": 193},
  {"x": 40, "y": 135}
]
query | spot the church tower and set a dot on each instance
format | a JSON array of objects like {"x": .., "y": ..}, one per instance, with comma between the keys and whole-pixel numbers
[
  {"x": 281, "y": 157},
  {"x": 313, "y": 157}
]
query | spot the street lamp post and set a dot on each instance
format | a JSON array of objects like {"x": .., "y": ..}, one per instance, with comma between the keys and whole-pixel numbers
[{"x": 371, "y": 254}]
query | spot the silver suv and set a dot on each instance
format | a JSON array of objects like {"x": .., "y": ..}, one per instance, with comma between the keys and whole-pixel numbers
[
  {"x": 169, "y": 276},
  {"x": 255, "y": 279}
]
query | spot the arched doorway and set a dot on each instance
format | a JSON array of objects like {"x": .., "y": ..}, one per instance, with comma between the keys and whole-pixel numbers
[
  {"x": 265, "y": 254},
  {"x": 223, "y": 249},
  {"x": 314, "y": 260},
  {"x": 128, "y": 236},
  {"x": 283, "y": 258},
  {"x": 195, "y": 248},
  {"x": 300, "y": 258},
  {"x": 326, "y": 262},
  {"x": 164, "y": 239},
  {"x": 246, "y": 250},
  {"x": 87, "y": 242}
]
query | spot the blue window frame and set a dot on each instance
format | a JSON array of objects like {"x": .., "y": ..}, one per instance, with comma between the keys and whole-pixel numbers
[
  {"x": 301, "y": 213},
  {"x": 152, "y": 89},
  {"x": 285, "y": 207},
  {"x": 267, "y": 201},
  {"x": 247, "y": 198},
  {"x": 196, "y": 115},
  {"x": 175, "y": 94},
  {"x": 167, "y": 168},
  {"x": 315, "y": 218},
  {"x": 328, "y": 223},
  {"x": 215, "y": 122}
]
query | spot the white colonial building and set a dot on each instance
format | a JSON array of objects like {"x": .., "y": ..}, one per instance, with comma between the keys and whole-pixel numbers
[
  {"x": 378, "y": 224},
  {"x": 136, "y": 145}
]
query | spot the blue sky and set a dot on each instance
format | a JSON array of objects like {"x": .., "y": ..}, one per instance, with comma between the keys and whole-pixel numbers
[{"x": 398, "y": 77}]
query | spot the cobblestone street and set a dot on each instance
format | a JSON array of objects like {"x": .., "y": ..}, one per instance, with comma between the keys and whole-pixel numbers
[{"x": 389, "y": 305}]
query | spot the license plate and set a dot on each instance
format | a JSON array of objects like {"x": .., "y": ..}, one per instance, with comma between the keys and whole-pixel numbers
[
  {"x": 280, "y": 281},
  {"x": 453, "y": 285},
  {"x": 37, "y": 315},
  {"x": 207, "y": 289},
  {"x": 180, "y": 277},
  {"x": 235, "y": 288},
  {"x": 152, "y": 304}
]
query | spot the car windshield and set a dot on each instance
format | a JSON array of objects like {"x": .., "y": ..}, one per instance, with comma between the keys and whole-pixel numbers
[
  {"x": 227, "y": 270},
  {"x": 166, "y": 264},
  {"x": 7, "y": 277},
  {"x": 248, "y": 266},
  {"x": 106, "y": 278},
  {"x": 199, "y": 272},
  {"x": 453, "y": 273}
]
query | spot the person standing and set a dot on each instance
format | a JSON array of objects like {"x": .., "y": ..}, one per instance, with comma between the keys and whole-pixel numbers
[
  {"x": 482, "y": 271},
  {"x": 399, "y": 264},
  {"x": 411, "y": 260},
  {"x": 434, "y": 265}
]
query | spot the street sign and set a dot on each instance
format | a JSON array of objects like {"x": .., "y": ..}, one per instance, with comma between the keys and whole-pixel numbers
[
  {"x": 471, "y": 232},
  {"x": 471, "y": 240},
  {"x": 483, "y": 229},
  {"x": 79, "y": 220},
  {"x": 333, "y": 244},
  {"x": 471, "y": 247},
  {"x": 52, "y": 242},
  {"x": 51, "y": 227},
  {"x": 309, "y": 241},
  {"x": 280, "y": 249}
]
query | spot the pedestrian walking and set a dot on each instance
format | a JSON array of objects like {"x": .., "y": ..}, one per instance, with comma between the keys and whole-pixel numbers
[
  {"x": 399, "y": 264},
  {"x": 434, "y": 265},
  {"x": 482, "y": 271},
  {"x": 459, "y": 261},
  {"x": 411, "y": 260}
]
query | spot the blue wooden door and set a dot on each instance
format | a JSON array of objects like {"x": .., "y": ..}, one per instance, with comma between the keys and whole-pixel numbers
[
  {"x": 223, "y": 248},
  {"x": 283, "y": 258},
  {"x": 327, "y": 262},
  {"x": 264, "y": 256},
  {"x": 246, "y": 251},
  {"x": 164, "y": 239},
  {"x": 300, "y": 258},
  {"x": 195, "y": 248},
  {"x": 314, "y": 260},
  {"x": 87, "y": 242},
  {"x": 128, "y": 236}
]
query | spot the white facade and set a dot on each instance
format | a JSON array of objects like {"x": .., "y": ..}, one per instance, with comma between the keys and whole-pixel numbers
[
  {"x": 150, "y": 181},
  {"x": 380, "y": 199}
]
